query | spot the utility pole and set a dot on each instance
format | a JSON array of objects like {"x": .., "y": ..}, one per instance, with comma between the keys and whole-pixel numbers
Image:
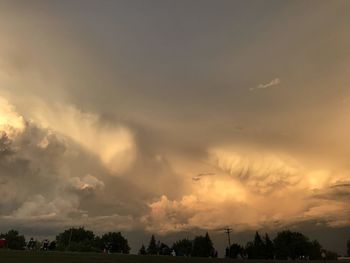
[{"x": 228, "y": 231}]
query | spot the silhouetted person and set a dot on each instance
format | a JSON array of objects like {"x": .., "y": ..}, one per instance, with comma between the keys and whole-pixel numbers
[
  {"x": 31, "y": 244},
  {"x": 45, "y": 246}
]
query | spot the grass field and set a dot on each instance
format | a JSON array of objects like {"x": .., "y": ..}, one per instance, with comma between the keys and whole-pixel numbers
[{"x": 7, "y": 256}]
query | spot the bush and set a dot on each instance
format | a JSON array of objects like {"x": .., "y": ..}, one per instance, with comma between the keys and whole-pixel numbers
[
  {"x": 115, "y": 243},
  {"x": 14, "y": 240},
  {"x": 76, "y": 239},
  {"x": 203, "y": 247}
]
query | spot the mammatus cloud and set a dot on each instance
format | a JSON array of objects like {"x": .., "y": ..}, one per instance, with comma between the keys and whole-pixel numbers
[
  {"x": 243, "y": 193},
  {"x": 72, "y": 183},
  {"x": 116, "y": 123},
  {"x": 270, "y": 84}
]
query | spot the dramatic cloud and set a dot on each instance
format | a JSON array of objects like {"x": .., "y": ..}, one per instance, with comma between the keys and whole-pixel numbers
[
  {"x": 116, "y": 116},
  {"x": 114, "y": 144},
  {"x": 244, "y": 191},
  {"x": 46, "y": 176},
  {"x": 10, "y": 122}
]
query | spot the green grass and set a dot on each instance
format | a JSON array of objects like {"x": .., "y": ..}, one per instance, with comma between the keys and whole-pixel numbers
[{"x": 7, "y": 256}]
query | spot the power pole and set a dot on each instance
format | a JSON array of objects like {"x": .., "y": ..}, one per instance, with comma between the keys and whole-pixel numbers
[{"x": 228, "y": 231}]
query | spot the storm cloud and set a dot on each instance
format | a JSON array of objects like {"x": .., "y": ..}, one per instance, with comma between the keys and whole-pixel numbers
[{"x": 140, "y": 117}]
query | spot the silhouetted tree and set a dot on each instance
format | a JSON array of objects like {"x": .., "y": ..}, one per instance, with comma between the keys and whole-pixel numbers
[
  {"x": 234, "y": 251},
  {"x": 348, "y": 245},
  {"x": 152, "y": 247},
  {"x": 291, "y": 245},
  {"x": 203, "y": 246},
  {"x": 258, "y": 249},
  {"x": 52, "y": 245},
  {"x": 268, "y": 247},
  {"x": 142, "y": 250},
  {"x": 14, "y": 240},
  {"x": 115, "y": 242},
  {"x": 98, "y": 244},
  {"x": 287, "y": 244},
  {"x": 249, "y": 249},
  {"x": 77, "y": 239},
  {"x": 164, "y": 249},
  {"x": 183, "y": 247},
  {"x": 315, "y": 250}
]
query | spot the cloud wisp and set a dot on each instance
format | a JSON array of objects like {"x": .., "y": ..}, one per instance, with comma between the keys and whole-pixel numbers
[{"x": 267, "y": 85}]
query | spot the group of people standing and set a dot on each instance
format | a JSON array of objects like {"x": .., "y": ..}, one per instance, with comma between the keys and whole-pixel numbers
[{"x": 36, "y": 245}]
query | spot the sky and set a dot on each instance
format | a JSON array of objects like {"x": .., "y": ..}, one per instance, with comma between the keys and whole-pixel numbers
[{"x": 175, "y": 118}]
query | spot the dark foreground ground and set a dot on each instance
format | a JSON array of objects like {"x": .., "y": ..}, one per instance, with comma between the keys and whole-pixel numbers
[{"x": 58, "y": 257}]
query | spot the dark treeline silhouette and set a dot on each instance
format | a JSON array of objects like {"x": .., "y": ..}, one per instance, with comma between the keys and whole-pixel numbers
[
  {"x": 155, "y": 248},
  {"x": 79, "y": 239},
  {"x": 286, "y": 245},
  {"x": 73, "y": 239},
  {"x": 200, "y": 246}
]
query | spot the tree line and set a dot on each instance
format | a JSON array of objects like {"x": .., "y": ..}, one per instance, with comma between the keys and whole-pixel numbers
[
  {"x": 200, "y": 246},
  {"x": 82, "y": 240},
  {"x": 72, "y": 239},
  {"x": 286, "y": 245}
]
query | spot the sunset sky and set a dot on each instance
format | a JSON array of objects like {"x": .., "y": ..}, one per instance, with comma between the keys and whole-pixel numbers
[{"x": 176, "y": 118}]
